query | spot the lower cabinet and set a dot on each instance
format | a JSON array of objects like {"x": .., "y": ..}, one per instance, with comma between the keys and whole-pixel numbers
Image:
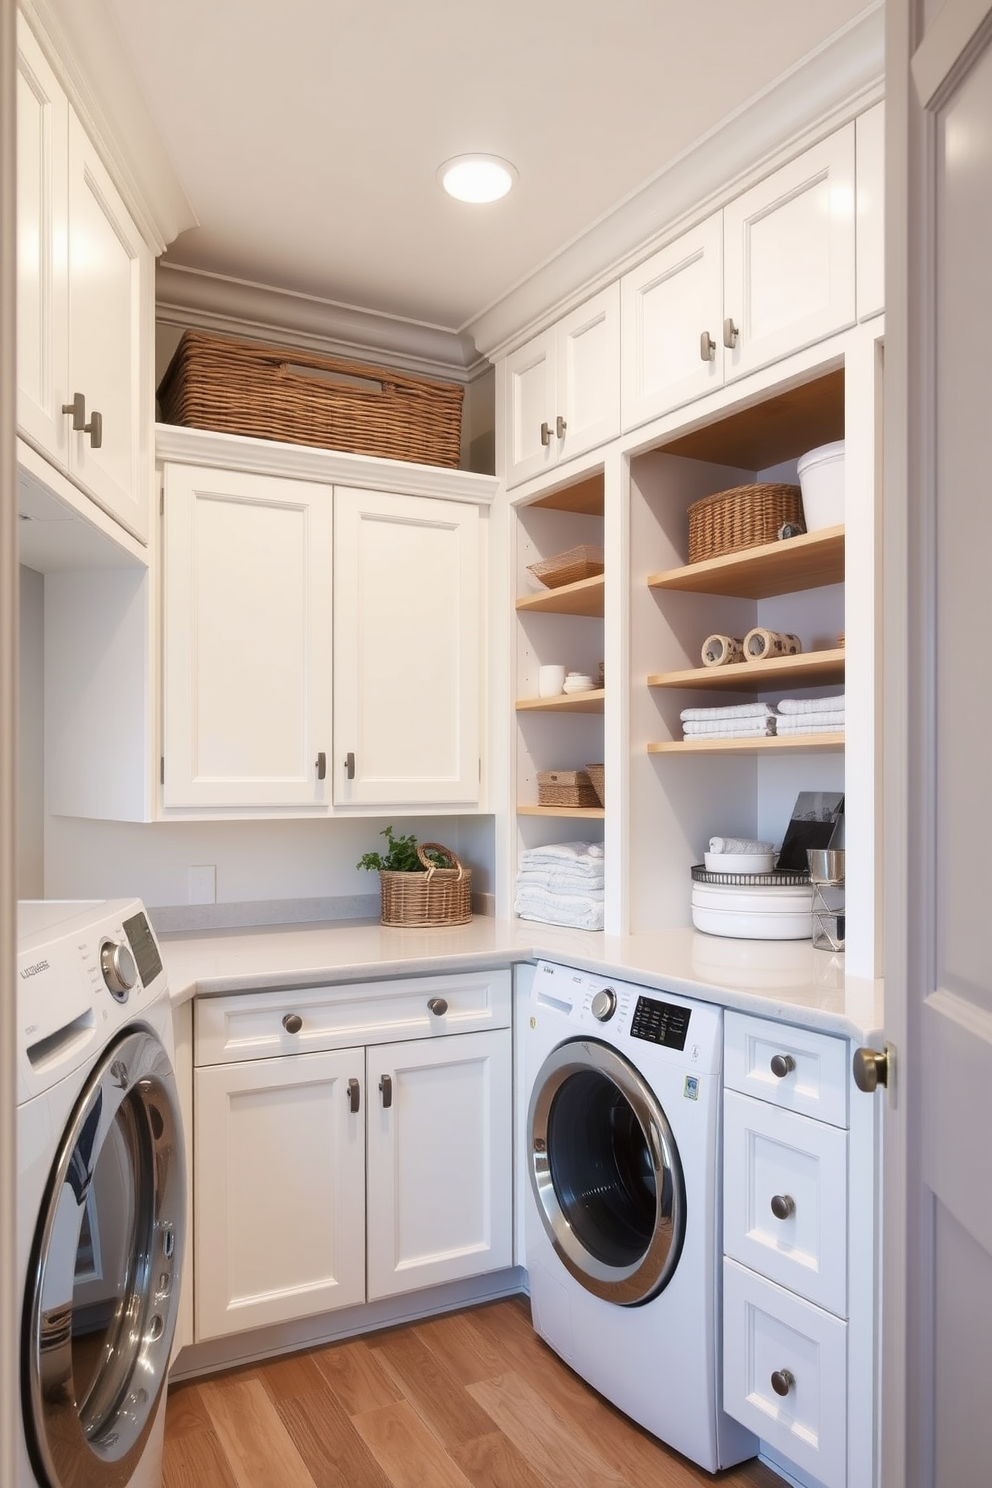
[
  {"x": 799, "y": 1238},
  {"x": 377, "y": 1163}
]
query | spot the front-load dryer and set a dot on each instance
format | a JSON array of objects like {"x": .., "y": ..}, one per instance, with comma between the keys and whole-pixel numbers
[
  {"x": 101, "y": 1195},
  {"x": 622, "y": 1209}
]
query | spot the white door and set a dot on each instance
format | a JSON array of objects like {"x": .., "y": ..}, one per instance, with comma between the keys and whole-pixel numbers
[
  {"x": 439, "y": 1160},
  {"x": 247, "y": 649},
  {"x": 788, "y": 257},
  {"x": 407, "y": 654},
  {"x": 110, "y": 321},
  {"x": 530, "y": 375},
  {"x": 279, "y": 1189},
  {"x": 938, "y": 1211},
  {"x": 671, "y": 326},
  {"x": 42, "y": 311},
  {"x": 587, "y": 407}
]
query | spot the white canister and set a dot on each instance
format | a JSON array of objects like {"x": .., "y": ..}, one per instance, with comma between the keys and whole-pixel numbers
[
  {"x": 821, "y": 477},
  {"x": 550, "y": 681}
]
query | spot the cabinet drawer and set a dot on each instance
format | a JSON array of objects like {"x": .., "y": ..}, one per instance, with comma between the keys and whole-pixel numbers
[
  {"x": 812, "y": 1067},
  {"x": 259, "y": 1025},
  {"x": 773, "y": 1156},
  {"x": 768, "y": 1332}
]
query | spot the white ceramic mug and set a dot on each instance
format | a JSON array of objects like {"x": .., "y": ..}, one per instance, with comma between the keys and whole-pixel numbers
[{"x": 550, "y": 681}]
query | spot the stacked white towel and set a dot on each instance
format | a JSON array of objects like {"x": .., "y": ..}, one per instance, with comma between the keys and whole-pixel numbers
[
  {"x": 819, "y": 715},
  {"x": 562, "y": 884},
  {"x": 736, "y": 721}
]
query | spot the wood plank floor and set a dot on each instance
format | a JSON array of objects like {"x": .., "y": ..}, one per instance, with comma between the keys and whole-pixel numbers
[{"x": 473, "y": 1399}]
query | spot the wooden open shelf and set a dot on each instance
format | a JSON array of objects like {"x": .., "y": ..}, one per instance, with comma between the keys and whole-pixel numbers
[
  {"x": 576, "y": 702},
  {"x": 805, "y": 562},
  {"x": 812, "y": 669},
  {"x": 589, "y": 812},
  {"x": 584, "y": 497},
  {"x": 796, "y": 743},
  {"x": 771, "y": 429},
  {"x": 584, "y": 597}
]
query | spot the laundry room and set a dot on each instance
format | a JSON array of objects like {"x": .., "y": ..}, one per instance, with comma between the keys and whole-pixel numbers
[{"x": 480, "y": 750}]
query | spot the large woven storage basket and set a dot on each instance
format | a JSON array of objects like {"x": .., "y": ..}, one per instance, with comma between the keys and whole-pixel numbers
[
  {"x": 438, "y": 896},
  {"x": 565, "y": 788},
  {"x": 742, "y": 517},
  {"x": 270, "y": 392}
]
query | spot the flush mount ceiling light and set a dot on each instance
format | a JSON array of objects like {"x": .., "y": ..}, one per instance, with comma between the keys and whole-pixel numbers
[{"x": 477, "y": 178}]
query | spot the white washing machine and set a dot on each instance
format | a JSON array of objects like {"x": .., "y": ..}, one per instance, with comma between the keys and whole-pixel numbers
[
  {"x": 622, "y": 1217},
  {"x": 101, "y": 1194}
]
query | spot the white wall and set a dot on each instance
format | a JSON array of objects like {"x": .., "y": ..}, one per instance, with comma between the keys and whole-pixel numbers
[{"x": 30, "y": 738}]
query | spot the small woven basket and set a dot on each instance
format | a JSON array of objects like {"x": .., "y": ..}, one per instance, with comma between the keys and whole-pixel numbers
[
  {"x": 271, "y": 392},
  {"x": 583, "y": 562},
  {"x": 597, "y": 775},
  {"x": 565, "y": 788},
  {"x": 743, "y": 517},
  {"x": 438, "y": 896}
]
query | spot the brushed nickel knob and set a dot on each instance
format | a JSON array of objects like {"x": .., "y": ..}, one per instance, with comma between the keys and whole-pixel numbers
[
  {"x": 731, "y": 333},
  {"x": 783, "y": 1206},
  {"x": 783, "y": 1381},
  {"x": 292, "y": 1022},
  {"x": 782, "y": 1065},
  {"x": 604, "y": 1005},
  {"x": 707, "y": 347},
  {"x": 871, "y": 1069},
  {"x": 438, "y": 1006}
]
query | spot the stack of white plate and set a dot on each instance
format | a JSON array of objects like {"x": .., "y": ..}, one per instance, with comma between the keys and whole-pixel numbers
[{"x": 754, "y": 912}]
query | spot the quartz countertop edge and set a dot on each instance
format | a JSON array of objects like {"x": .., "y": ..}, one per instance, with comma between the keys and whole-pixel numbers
[{"x": 787, "y": 981}]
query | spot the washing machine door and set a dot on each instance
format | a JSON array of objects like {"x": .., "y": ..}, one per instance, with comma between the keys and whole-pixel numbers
[
  {"x": 103, "y": 1285},
  {"x": 605, "y": 1172}
]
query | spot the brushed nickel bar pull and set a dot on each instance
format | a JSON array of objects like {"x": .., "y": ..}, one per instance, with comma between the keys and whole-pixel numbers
[
  {"x": 95, "y": 429},
  {"x": 386, "y": 1087},
  {"x": 545, "y": 434},
  {"x": 560, "y": 427},
  {"x": 78, "y": 410},
  {"x": 321, "y": 765},
  {"x": 349, "y": 766},
  {"x": 354, "y": 1095},
  {"x": 707, "y": 347},
  {"x": 730, "y": 333}
]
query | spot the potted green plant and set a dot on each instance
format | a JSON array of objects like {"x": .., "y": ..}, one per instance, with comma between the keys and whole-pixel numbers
[{"x": 420, "y": 884}]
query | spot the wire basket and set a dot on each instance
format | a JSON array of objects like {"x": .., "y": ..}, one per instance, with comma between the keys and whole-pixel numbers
[
  {"x": 773, "y": 880},
  {"x": 743, "y": 517},
  {"x": 583, "y": 562},
  {"x": 438, "y": 896}
]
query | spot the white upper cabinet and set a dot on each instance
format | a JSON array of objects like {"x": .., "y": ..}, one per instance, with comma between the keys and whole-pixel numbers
[
  {"x": 247, "y": 628},
  {"x": 671, "y": 333},
  {"x": 84, "y": 304},
  {"x": 562, "y": 389},
  {"x": 870, "y": 220},
  {"x": 788, "y": 257},
  {"x": 407, "y": 658}
]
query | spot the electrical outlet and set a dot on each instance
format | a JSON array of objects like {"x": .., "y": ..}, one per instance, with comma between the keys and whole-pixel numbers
[{"x": 203, "y": 885}]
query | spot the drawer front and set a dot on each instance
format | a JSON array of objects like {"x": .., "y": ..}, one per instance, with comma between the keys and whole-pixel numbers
[
  {"x": 265, "y": 1024},
  {"x": 785, "y": 1198},
  {"x": 767, "y": 1332},
  {"x": 791, "y": 1067}
]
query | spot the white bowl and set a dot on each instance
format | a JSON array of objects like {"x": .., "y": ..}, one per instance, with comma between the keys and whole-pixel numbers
[
  {"x": 739, "y": 862},
  {"x": 756, "y": 900},
  {"x": 738, "y": 926},
  {"x": 576, "y": 683},
  {"x": 821, "y": 477}
]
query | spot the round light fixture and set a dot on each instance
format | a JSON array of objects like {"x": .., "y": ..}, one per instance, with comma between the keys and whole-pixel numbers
[{"x": 477, "y": 178}]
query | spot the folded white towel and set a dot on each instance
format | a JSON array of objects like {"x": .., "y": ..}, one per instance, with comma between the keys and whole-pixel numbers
[
  {"x": 570, "y": 857},
  {"x": 811, "y": 723},
  {"x": 721, "y": 728},
  {"x": 812, "y": 705},
  {"x": 739, "y": 845},
  {"x": 581, "y": 912},
  {"x": 734, "y": 710},
  {"x": 555, "y": 882}
]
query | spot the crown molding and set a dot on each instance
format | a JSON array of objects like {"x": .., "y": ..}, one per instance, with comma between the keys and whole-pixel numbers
[
  {"x": 216, "y": 302},
  {"x": 823, "y": 90},
  {"x": 83, "y": 46}
]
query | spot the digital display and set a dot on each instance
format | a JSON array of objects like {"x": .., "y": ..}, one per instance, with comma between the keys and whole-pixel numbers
[
  {"x": 660, "y": 1023},
  {"x": 143, "y": 947}
]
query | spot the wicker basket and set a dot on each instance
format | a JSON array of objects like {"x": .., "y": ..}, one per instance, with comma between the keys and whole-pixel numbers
[
  {"x": 565, "y": 788},
  {"x": 583, "y": 562},
  {"x": 438, "y": 896},
  {"x": 269, "y": 392},
  {"x": 597, "y": 776},
  {"x": 742, "y": 517}
]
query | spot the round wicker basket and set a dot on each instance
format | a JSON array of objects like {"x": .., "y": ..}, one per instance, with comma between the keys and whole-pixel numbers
[{"x": 438, "y": 896}]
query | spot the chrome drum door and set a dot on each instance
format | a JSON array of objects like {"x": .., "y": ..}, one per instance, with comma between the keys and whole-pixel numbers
[
  {"x": 103, "y": 1285},
  {"x": 605, "y": 1172}
]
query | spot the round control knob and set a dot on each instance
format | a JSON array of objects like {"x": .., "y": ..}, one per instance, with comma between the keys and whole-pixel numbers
[
  {"x": 783, "y": 1381},
  {"x": 438, "y": 1006},
  {"x": 292, "y": 1022},
  {"x": 604, "y": 1005},
  {"x": 119, "y": 971},
  {"x": 782, "y": 1065},
  {"x": 783, "y": 1206}
]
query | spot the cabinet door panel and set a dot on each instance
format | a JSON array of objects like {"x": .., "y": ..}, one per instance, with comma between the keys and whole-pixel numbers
[
  {"x": 439, "y": 1161},
  {"x": 667, "y": 304},
  {"x": 530, "y": 403},
  {"x": 279, "y": 1189},
  {"x": 247, "y": 639},
  {"x": 42, "y": 312},
  {"x": 110, "y": 272},
  {"x": 407, "y": 651},
  {"x": 588, "y": 366},
  {"x": 870, "y": 138},
  {"x": 789, "y": 265}
]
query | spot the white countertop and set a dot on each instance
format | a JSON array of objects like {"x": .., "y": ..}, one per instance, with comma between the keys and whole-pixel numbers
[{"x": 786, "y": 980}]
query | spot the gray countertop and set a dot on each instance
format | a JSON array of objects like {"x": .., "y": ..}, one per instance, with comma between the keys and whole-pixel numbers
[{"x": 785, "y": 980}]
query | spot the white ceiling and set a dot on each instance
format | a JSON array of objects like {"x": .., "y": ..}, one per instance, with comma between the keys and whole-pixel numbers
[{"x": 307, "y": 134}]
